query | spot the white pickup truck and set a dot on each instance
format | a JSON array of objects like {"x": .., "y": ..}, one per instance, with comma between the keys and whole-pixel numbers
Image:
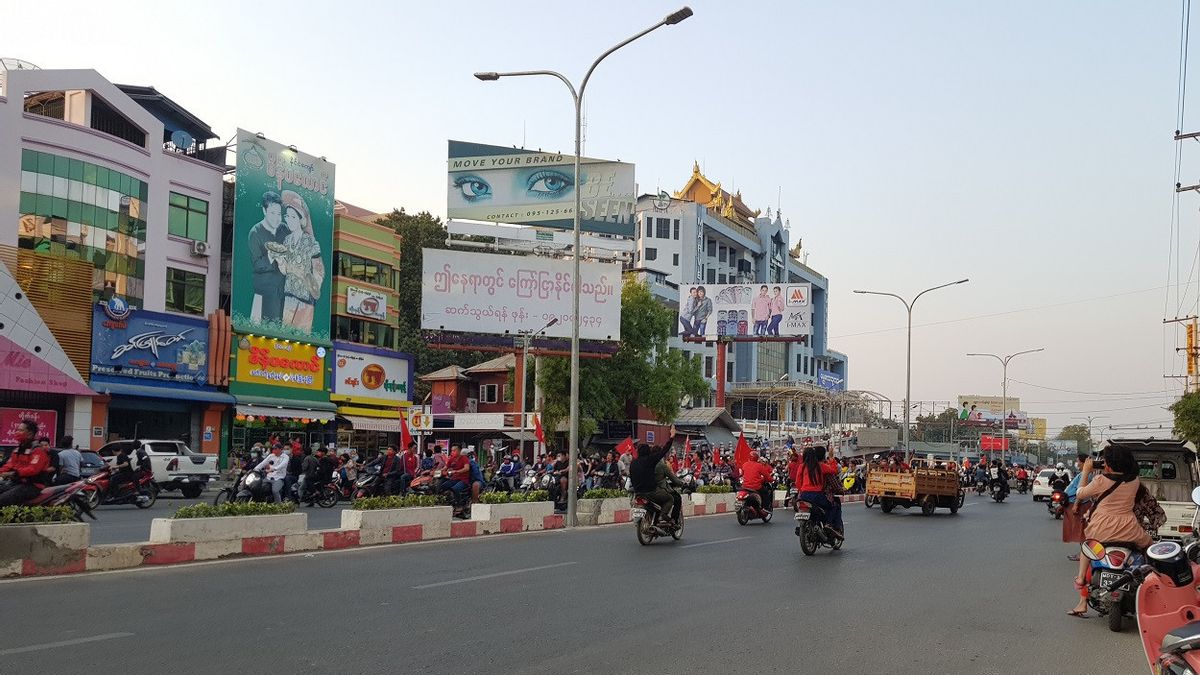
[
  {"x": 174, "y": 464},
  {"x": 1167, "y": 467}
]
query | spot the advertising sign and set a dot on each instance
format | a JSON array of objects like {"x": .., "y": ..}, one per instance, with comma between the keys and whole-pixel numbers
[
  {"x": 11, "y": 418},
  {"x": 525, "y": 187},
  {"x": 489, "y": 293},
  {"x": 766, "y": 310},
  {"x": 280, "y": 363},
  {"x": 366, "y": 303},
  {"x": 149, "y": 345},
  {"x": 371, "y": 377},
  {"x": 830, "y": 380},
  {"x": 1063, "y": 447},
  {"x": 283, "y": 241},
  {"x": 986, "y": 404}
]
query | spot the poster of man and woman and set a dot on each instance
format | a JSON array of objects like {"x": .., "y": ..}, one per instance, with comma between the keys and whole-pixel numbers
[
  {"x": 986, "y": 411},
  {"x": 749, "y": 310},
  {"x": 283, "y": 239}
]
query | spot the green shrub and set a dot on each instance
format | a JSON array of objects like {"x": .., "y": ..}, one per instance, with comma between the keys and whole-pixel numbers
[
  {"x": 501, "y": 497},
  {"x": 235, "y": 509},
  {"x": 16, "y": 515},
  {"x": 714, "y": 489},
  {"x": 534, "y": 496},
  {"x": 604, "y": 493},
  {"x": 396, "y": 502}
]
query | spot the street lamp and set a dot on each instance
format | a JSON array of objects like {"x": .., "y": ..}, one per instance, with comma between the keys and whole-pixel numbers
[
  {"x": 524, "y": 337},
  {"x": 1089, "y": 418},
  {"x": 908, "y": 360},
  {"x": 577, "y": 98},
  {"x": 1004, "y": 391}
]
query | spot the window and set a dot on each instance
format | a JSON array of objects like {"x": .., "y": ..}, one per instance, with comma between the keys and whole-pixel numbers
[
  {"x": 712, "y": 248},
  {"x": 798, "y": 362},
  {"x": 1147, "y": 469},
  {"x": 185, "y": 291},
  {"x": 487, "y": 393},
  {"x": 676, "y": 230},
  {"x": 675, "y": 259},
  {"x": 712, "y": 276},
  {"x": 507, "y": 393},
  {"x": 649, "y": 226},
  {"x": 663, "y": 228},
  {"x": 1167, "y": 468},
  {"x": 729, "y": 372},
  {"x": 364, "y": 332},
  {"x": 708, "y": 366},
  {"x": 805, "y": 371},
  {"x": 651, "y": 254},
  {"x": 721, "y": 279},
  {"x": 721, "y": 253},
  {"x": 187, "y": 217},
  {"x": 361, "y": 269}
]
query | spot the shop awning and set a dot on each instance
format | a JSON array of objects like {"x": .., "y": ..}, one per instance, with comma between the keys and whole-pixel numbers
[
  {"x": 273, "y": 411},
  {"x": 145, "y": 391},
  {"x": 268, "y": 402},
  {"x": 361, "y": 423},
  {"x": 515, "y": 435}
]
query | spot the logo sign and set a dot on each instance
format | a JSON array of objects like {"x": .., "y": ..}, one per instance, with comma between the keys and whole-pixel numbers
[
  {"x": 663, "y": 201},
  {"x": 149, "y": 345},
  {"x": 419, "y": 420},
  {"x": 798, "y": 294},
  {"x": 830, "y": 380},
  {"x": 716, "y": 310},
  {"x": 371, "y": 377},
  {"x": 366, "y": 303},
  {"x": 280, "y": 363},
  {"x": 11, "y": 418},
  {"x": 117, "y": 309}
]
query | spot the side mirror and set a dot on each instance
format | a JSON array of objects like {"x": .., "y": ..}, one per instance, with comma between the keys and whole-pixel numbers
[
  {"x": 1196, "y": 496},
  {"x": 1193, "y": 551},
  {"x": 1092, "y": 549}
]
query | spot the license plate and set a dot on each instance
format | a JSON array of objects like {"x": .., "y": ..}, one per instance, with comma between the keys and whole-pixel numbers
[
  {"x": 638, "y": 514},
  {"x": 802, "y": 515},
  {"x": 1107, "y": 578}
]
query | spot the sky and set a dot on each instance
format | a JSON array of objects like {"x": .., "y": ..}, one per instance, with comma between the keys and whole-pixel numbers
[{"x": 1025, "y": 145}]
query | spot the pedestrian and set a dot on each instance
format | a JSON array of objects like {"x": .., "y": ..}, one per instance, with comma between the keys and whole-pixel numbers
[{"x": 69, "y": 460}]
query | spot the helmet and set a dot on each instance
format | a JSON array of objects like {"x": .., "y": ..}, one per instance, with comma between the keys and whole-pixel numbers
[{"x": 1059, "y": 466}]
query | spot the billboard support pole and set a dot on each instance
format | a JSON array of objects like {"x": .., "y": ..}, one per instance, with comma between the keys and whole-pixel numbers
[{"x": 721, "y": 374}]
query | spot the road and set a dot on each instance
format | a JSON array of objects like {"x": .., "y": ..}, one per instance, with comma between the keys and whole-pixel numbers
[{"x": 982, "y": 592}]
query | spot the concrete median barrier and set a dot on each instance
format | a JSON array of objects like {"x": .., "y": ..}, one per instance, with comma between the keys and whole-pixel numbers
[
  {"x": 393, "y": 526},
  {"x": 513, "y": 517},
  {"x": 175, "y": 530},
  {"x": 43, "y": 548}
]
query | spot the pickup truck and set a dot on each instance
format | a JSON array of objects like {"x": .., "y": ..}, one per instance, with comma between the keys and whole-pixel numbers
[
  {"x": 1167, "y": 467},
  {"x": 174, "y": 464}
]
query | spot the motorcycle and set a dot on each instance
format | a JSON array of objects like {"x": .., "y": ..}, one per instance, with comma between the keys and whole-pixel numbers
[
  {"x": 1111, "y": 587},
  {"x": 369, "y": 483},
  {"x": 749, "y": 505},
  {"x": 71, "y": 494},
  {"x": 998, "y": 492},
  {"x": 812, "y": 529},
  {"x": 1057, "y": 504},
  {"x": 1022, "y": 485},
  {"x": 689, "y": 482},
  {"x": 1168, "y": 604},
  {"x": 650, "y": 522},
  {"x": 981, "y": 487},
  {"x": 427, "y": 484},
  {"x": 325, "y": 496},
  {"x": 142, "y": 492},
  {"x": 501, "y": 483}
]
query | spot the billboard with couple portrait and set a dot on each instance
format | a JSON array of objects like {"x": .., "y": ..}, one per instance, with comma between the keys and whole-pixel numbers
[
  {"x": 745, "y": 310},
  {"x": 282, "y": 241}
]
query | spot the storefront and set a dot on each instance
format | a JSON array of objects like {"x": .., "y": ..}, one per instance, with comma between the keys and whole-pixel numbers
[
  {"x": 371, "y": 388},
  {"x": 281, "y": 387},
  {"x": 151, "y": 370}
]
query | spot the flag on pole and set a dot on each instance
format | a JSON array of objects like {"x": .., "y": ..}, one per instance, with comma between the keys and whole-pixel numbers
[
  {"x": 537, "y": 430},
  {"x": 406, "y": 438},
  {"x": 741, "y": 455},
  {"x": 627, "y": 446}
]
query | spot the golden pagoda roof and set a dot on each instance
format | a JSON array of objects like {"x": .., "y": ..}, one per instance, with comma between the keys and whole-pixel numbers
[{"x": 717, "y": 200}]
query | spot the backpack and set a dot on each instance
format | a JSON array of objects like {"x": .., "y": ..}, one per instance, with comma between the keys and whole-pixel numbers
[{"x": 1148, "y": 511}]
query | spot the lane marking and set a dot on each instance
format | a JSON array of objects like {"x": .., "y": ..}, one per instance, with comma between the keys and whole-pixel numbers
[
  {"x": 710, "y": 543},
  {"x": 63, "y": 643},
  {"x": 481, "y": 577}
]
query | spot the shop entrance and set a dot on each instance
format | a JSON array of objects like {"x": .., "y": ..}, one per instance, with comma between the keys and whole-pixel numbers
[{"x": 132, "y": 418}]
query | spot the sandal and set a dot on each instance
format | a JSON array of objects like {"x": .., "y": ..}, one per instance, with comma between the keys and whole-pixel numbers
[{"x": 1077, "y": 613}]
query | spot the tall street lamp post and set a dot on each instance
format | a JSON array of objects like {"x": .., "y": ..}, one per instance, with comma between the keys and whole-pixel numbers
[
  {"x": 577, "y": 98},
  {"x": 908, "y": 305},
  {"x": 1004, "y": 391},
  {"x": 524, "y": 338}
]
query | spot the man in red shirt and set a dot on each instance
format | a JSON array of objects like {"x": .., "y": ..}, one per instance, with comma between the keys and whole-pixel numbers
[
  {"x": 408, "y": 466},
  {"x": 458, "y": 472},
  {"x": 25, "y": 467},
  {"x": 756, "y": 476}
]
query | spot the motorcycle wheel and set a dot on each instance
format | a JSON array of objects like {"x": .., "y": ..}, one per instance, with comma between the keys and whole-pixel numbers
[
  {"x": 360, "y": 494},
  {"x": 93, "y": 498},
  {"x": 645, "y": 531},
  {"x": 928, "y": 505},
  {"x": 151, "y": 497},
  {"x": 327, "y": 497},
  {"x": 77, "y": 508},
  {"x": 223, "y": 496},
  {"x": 677, "y": 533},
  {"x": 808, "y": 538},
  {"x": 1115, "y": 617},
  {"x": 868, "y": 501},
  {"x": 1058, "y": 515},
  {"x": 742, "y": 518}
]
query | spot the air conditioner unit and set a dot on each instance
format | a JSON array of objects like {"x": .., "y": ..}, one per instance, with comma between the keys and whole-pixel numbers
[{"x": 200, "y": 249}]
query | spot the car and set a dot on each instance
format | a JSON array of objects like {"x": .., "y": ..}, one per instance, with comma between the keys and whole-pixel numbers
[
  {"x": 1167, "y": 468},
  {"x": 90, "y": 463},
  {"x": 174, "y": 464},
  {"x": 1041, "y": 484}
]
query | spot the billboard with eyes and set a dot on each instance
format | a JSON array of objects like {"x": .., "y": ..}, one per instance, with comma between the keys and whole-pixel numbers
[{"x": 525, "y": 187}]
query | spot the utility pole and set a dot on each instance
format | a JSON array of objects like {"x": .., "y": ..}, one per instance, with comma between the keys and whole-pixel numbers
[{"x": 1193, "y": 351}]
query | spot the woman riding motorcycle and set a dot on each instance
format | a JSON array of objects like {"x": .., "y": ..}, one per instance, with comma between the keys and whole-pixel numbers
[{"x": 810, "y": 481}]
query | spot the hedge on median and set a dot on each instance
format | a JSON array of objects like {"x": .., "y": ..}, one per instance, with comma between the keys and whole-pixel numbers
[
  {"x": 499, "y": 497},
  {"x": 714, "y": 489},
  {"x": 21, "y": 515},
  {"x": 235, "y": 509},
  {"x": 396, "y": 502},
  {"x": 605, "y": 493}
]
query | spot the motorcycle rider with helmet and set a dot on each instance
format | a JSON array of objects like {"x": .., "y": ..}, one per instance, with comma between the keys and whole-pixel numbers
[
  {"x": 650, "y": 475},
  {"x": 756, "y": 477},
  {"x": 1059, "y": 479},
  {"x": 999, "y": 477}
]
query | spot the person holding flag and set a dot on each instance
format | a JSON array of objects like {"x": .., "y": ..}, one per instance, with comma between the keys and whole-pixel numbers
[{"x": 650, "y": 475}]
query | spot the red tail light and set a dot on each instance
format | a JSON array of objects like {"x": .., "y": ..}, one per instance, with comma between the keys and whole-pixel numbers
[
  {"x": 1057, "y": 496},
  {"x": 1115, "y": 558},
  {"x": 743, "y": 494},
  {"x": 802, "y": 506},
  {"x": 639, "y": 501},
  {"x": 1185, "y": 529}
]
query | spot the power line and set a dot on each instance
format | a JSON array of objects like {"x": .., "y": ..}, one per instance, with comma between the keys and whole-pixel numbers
[{"x": 1089, "y": 393}]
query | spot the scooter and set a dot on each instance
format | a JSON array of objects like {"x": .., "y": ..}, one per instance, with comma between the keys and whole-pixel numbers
[
  {"x": 71, "y": 494},
  {"x": 1168, "y": 604},
  {"x": 1106, "y": 593},
  {"x": 981, "y": 487},
  {"x": 1057, "y": 504},
  {"x": 1022, "y": 485},
  {"x": 369, "y": 483},
  {"x": 812, "y": 529},
  {"x": 749, "y": 506},
  {"x": 325, "y": 496},
  {"x": 650, "y": 522},
  {"x": 689, "y": 482}
]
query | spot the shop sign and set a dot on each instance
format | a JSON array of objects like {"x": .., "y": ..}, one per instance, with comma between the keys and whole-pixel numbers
[
  {"x": 371, "y": 375},
  {"x": 11, "y": 418},
  {"x": 149, "y": 345},
  {"x": 366, "y": 303},
  {"x": 280, "y": 363}
]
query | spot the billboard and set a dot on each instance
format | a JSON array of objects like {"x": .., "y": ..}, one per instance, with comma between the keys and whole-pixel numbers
[
  {"x": 366, "y": 303},
  {"x": 830, "y": 380},
  {"x": 280, "y": 363},
  {"x": 366, "y": 375},
  {"x": 765, "y": 310},
  {"x": 506, "y": 294},
  {"x": 167, "y": 348},
  {"x": 282, "y": 241},
  {"x": 986, "y": 404},
  {"x": 525, "y": 187},
  {"x": 1063, "y": 447}
]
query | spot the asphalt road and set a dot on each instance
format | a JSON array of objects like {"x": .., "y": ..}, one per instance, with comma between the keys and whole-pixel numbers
[{"x": 982, "y": 592}]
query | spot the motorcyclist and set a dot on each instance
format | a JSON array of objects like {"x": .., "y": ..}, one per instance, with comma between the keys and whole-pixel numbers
[
  {"x": 981, "y": 473},
  {"x": 756, "y": 476},
  {"x": 1060, "y": 478},
  {"x": 508, "y": 472},
  {"x": 1022, "y": 477},
  {"x": 25, "y": 467},
  {"x": 999, "y": 477},
  {"x": 309, "y": 468},
  {"x": 651, "y": 476}
]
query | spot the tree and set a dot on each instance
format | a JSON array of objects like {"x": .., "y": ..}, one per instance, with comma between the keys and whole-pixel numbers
[
  {"x": 644, "y": 371},
  {"x": 1079, "y": 433},
  {"x": 935, "y": 428},
  {"x": 1187, "y": 417}
]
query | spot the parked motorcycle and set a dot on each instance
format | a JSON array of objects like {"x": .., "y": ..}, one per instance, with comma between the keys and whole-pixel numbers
[
  {"x": 142, "y": 491},
  {"x": 1168, "y": 604},
  {"x": 749, "y": 506},
  {"x": 650, "y": 522},
  {"x": 1057, "y": 504},
  {"x": 812, "y": 529},
  {"x": 370, "y": 482},
  {"x": 325, "y": 496},
  {"x": 71, "y": 494},
  {"x": 689, "y": 482},
  {"x": 1111, "y": 586}
]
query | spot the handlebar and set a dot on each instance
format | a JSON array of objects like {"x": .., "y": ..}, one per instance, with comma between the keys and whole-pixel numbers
[{"x": 1137, "y": 574}]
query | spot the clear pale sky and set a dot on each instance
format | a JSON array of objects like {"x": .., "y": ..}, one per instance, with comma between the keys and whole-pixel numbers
[{"x": 1026, "y": 145}]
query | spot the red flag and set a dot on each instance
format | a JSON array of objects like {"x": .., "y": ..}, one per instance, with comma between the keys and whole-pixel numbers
[
  {"x": 405, "y": 436},
  {"x": 627, "y": 446},
  {"x": 741, "y": 454},
  {"x": 687, "y": 448},
  {"x": 537, "y": 430}
]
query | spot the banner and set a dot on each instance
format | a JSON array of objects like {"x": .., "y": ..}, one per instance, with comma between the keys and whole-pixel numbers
[
  {"x": 371, "y": 376},
  {"x": 764, "y": 310},
  {"x": 525, "y": 187},
  {"x": 280, "y": 363},
  {"x": 282, "y": 241},
  {"x": 504, "y": 294},
  {"x": 366, "y": 303},
  {"x": 1063, "y": 447},
  {"x": 168, "y": 348},
  {"x": 830, "y": 380},
  {"x": 11, "y": 418}
]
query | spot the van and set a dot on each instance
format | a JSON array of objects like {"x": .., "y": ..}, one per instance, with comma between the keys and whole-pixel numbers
[{"x": 1167, "y": 467}]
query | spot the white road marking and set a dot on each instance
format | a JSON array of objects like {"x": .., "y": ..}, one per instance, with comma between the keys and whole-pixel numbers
[
  {"x": 710, "y": 543},
  {"x": 63, "y": 643},
  {"x": 481, "y": 577}
]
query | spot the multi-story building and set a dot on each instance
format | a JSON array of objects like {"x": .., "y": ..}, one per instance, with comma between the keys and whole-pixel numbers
[
  {"x": 704, "y": 234},
  {"x": 117, "y": 181}
]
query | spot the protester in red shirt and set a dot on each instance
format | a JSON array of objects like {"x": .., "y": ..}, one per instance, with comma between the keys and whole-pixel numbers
[
  {"x": 756, "y": 476},
  {"x": 458, "y": 469},
  {"x": 25, "y": 467},
  {"x": 811, "y": 483}
]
